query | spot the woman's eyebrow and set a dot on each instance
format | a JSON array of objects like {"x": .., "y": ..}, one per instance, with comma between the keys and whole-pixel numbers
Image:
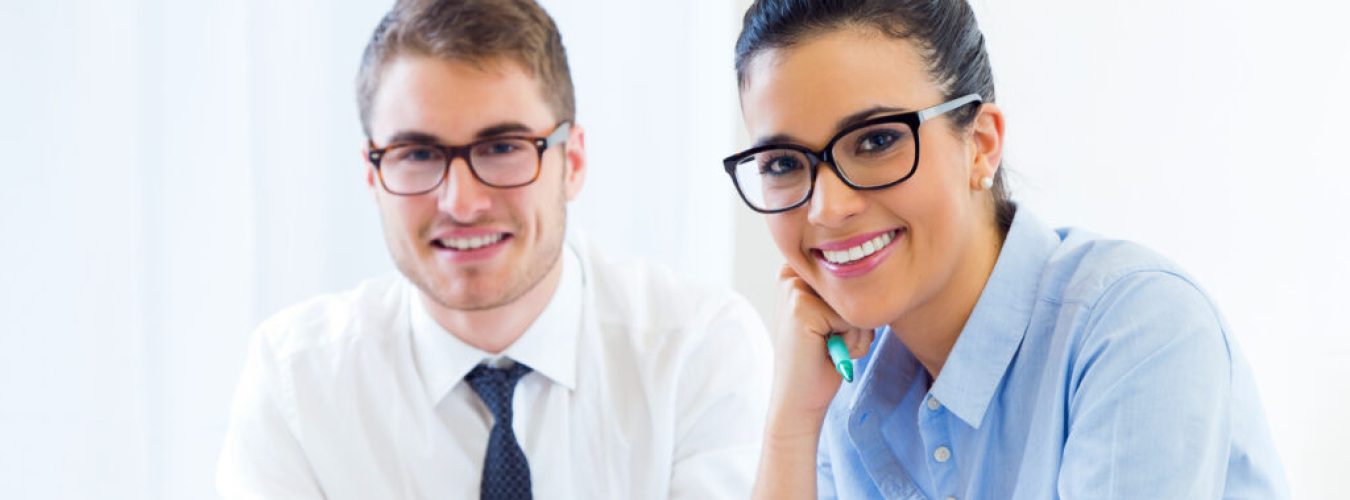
[
  {"x": 842, "y": 124},
  {"x": 863, "y": 115},
  {"x": 776, "y": 139}
]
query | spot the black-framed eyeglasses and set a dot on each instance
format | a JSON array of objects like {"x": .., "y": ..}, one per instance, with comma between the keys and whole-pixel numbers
[
  {"x": 875, "y": 154},
  {"x": 502, "y": 162}
]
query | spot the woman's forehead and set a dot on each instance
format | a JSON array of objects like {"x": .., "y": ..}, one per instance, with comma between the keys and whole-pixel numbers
[{"x": 805, "y": 89}]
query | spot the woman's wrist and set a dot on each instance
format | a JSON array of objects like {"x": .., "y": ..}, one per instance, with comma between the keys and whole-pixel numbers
[
  {"x": 787, "y": 466},
  {"x": 787, "y": 426}
]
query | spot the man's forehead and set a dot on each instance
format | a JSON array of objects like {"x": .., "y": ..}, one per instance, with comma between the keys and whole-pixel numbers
[{"x": 457, "y": 100}]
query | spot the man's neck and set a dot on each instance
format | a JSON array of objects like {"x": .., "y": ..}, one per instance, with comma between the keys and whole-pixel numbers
[{"x": 493, "y": 330}]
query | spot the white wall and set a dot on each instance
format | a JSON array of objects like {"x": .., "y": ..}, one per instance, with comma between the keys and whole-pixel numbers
[
  {"x": 1212, "y": 131},
  {"x": 177, "y": 171}
]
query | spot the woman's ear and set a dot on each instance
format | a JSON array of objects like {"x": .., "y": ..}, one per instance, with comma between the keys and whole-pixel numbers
[{"x": 987, "y": 137}]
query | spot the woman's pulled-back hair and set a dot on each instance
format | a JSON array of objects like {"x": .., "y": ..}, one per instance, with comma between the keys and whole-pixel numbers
[{"x": 944, "y": 32}]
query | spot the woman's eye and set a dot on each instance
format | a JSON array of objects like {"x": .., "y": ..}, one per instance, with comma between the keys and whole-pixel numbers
[
  {"x": 877, "y": 141},
  {"x": 780, "y": 166}
]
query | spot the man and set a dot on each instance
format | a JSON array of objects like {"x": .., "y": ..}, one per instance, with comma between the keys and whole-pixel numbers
[{"x": 506, "y": 360}]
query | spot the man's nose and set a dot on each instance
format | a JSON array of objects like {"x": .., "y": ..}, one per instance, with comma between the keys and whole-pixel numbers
[{"x": 462, "y": 195}]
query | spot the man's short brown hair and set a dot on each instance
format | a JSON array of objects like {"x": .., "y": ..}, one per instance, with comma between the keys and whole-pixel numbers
[{"x": 474, "y": 31}]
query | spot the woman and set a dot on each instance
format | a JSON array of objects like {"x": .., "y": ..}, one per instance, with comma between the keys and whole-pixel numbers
[{"x": 997, "y": 357}]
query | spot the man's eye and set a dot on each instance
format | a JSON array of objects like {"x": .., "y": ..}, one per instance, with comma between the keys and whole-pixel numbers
[
  {"x": 417, "y": 154},
  {"x": 500, "y": 148}
]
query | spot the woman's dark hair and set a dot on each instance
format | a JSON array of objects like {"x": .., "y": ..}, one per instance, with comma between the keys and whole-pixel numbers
[{"x": 944, "y": 32}]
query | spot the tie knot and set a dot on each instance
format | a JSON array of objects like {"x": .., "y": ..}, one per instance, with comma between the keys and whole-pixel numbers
[{"x": 496, "y": 386}]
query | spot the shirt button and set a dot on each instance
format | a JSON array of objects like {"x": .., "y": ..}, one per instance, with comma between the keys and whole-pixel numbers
[
  {"x": 942, "y": 454},
  {"x": 933, "y": 403}
]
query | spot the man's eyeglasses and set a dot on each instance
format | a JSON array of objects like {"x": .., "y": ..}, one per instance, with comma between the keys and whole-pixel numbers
[
  {"x": 501, "y": 162},
  {"x": 875, "y": 154}
]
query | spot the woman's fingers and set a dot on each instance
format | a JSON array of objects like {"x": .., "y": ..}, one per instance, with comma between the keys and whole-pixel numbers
[{"x": 859, "y": 341}]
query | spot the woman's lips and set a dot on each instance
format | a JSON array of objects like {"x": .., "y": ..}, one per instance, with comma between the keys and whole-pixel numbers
[{"x": 858, "y": 255}]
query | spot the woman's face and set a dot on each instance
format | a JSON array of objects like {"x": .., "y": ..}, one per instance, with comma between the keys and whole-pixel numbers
[{"x": 802, "y": 93}]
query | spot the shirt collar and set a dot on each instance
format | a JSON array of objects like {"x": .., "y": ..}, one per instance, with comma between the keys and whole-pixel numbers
[
  {"x": 548, "y": 346},
  {"x": 994, "y": 331}
]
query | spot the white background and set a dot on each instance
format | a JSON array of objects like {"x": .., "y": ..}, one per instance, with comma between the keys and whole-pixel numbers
[{"x": 174, "y": 172}]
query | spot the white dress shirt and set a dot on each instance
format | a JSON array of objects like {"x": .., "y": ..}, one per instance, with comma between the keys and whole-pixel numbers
[{"x": 642, "y": 388}]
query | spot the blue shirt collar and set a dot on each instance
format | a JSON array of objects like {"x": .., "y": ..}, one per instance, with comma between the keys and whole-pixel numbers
[{"x": 994, "y": 331}]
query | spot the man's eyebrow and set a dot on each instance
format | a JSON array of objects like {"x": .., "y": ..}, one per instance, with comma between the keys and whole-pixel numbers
[
  {"x": 505, "y": 128},
  {"x": 843, "y": 123},
  {"x": 497, "y": 130},
  {"x": 413, "y": 136}
]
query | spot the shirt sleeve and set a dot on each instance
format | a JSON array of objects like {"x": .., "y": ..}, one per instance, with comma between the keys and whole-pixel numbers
[
  {"x": 722, "y": 401},
  {"x": 261, "y": 457},
  {"x": 1150, "y": 398},
  {"x": 824, "y": 469}
]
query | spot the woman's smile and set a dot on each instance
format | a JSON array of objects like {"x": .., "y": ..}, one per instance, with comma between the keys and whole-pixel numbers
[{"x": 858, "y": 255}]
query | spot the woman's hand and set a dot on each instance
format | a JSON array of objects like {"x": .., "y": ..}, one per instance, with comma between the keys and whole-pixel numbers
[{"x": 805, "y": 381}]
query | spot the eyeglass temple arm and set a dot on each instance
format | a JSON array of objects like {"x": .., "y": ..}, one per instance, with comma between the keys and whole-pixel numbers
[
  {"x": 559, "y": 134},
  {"x": 924, "y": 115}
]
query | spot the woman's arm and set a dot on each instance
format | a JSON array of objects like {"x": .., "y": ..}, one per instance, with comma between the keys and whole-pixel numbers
[
  {"x": 1149, "y": 410},
  {"x": 804, "y": 383}
]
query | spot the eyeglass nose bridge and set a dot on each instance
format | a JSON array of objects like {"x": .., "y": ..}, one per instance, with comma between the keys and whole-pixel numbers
[
  {"x": 817, "y": 162},
  {"x": 825, "y": 157},
  {"x": 453, "y": 153}
]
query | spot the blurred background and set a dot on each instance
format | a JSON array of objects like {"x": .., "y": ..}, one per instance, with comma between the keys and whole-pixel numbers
[{"x": 174, "y": 172}]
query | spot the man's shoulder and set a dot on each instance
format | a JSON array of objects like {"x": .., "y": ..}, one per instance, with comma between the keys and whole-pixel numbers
[
  {"x": 644, "y": 296},
  {"x": 366, "y": 311},
  {"x": 668, "y": 331}
]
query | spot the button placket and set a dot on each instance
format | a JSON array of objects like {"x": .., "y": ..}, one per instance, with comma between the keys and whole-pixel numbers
[
  {"x": 942, "y": 454},
  {"x": 933, "y": 427}
]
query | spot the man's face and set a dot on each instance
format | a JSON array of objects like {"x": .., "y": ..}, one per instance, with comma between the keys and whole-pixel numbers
[{"x": 430, "y": 235}]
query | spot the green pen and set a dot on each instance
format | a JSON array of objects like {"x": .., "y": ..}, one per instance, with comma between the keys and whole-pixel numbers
[{"x": 839, "y": 356}]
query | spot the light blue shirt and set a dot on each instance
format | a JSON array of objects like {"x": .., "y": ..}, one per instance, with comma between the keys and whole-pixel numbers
[{"x": 1089, "y": 368}]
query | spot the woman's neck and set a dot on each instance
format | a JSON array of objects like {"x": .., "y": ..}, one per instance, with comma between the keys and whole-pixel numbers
[{"x": 930, "y": 330}]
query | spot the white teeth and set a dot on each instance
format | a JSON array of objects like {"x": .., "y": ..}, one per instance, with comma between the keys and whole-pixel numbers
[
  {"x": 470, "y": 243},
  {"x": 868, "y": 247}
]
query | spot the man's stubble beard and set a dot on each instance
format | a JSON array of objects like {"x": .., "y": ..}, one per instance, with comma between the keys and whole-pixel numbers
[{"x": 542, "y": 261}]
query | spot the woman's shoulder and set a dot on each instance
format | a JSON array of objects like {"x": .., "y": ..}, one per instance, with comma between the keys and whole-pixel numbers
[
  {"x": 1120, "y": 294},
  {"x": 1087, "y": 266}
]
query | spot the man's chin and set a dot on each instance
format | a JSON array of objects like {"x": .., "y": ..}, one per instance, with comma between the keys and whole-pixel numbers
[{"x": 475, "y": 294}]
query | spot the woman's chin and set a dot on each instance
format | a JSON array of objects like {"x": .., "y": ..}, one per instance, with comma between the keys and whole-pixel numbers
[{"x": 863, "y": 315}]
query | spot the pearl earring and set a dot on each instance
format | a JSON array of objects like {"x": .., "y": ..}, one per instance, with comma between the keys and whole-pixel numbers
[{"x": 987, "y": 183}]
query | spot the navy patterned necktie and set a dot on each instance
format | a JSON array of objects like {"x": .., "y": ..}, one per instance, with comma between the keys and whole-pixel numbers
[{"x": 506, "y": 473}]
